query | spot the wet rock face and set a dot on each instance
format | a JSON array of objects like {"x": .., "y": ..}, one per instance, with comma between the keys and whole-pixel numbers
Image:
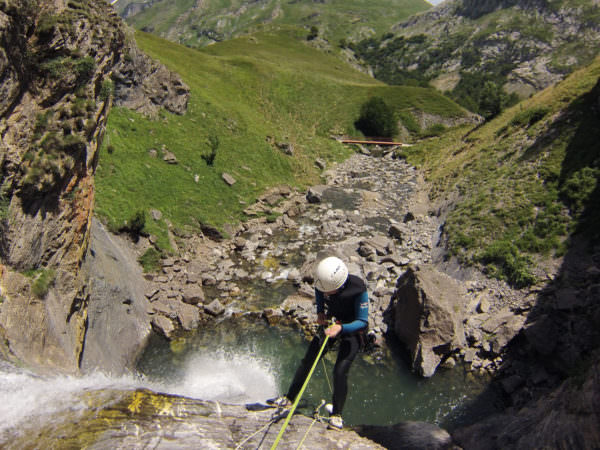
[{"x": 142, "y": 419}]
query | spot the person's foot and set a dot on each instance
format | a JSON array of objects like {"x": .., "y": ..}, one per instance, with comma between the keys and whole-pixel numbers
[
  {"x": 335, "y": 422},
  {"x": 280, "y": 402}
]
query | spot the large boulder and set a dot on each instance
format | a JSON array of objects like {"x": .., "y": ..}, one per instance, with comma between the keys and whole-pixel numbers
[
  {"x": 407, "y": 436},
  {"x": 428, "y": 316}
]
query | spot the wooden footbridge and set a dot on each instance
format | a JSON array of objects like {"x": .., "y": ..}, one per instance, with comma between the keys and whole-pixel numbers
[{"x": 372, "y": 141}]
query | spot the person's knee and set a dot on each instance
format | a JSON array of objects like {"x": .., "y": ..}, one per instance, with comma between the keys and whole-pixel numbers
[{"x": 341, "y": 369}]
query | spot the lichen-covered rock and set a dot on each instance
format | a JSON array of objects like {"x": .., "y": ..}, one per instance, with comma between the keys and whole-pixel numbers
[{"x": 145, "y": 419}]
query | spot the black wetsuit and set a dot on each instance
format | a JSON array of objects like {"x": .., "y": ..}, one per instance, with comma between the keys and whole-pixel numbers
[{"x": 350, "y": 306}]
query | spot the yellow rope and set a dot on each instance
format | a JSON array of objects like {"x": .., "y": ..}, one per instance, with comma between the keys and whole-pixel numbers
[
  {"x": 326, "y": 376},
  {"x": 316, "y": 417},
  {"x": 291, "y": 413},
  {"x": 254, "y": 434}
]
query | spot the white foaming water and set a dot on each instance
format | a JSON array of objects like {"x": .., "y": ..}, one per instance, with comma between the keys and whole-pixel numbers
[
  {"x": 229, "y": 378},
  {"x": 25, "y": 395}
]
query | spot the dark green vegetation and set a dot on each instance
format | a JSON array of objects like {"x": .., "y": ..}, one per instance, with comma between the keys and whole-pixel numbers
[
  {"x": 249, "y": 93},
  {"x": 197, "y": 23},
  {"x": 480, "y": 50},
  {"x": 527, "y": 180},
  {"x": 66, "y": 119},
  {"x": 377, "y": 119}
]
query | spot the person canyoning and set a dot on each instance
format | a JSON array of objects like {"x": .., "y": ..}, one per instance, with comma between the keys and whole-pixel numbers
[{"x": 344, "y": 298}]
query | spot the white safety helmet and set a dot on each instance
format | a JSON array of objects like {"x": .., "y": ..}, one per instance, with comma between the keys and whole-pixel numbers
[{"x": 331, "y": 273}]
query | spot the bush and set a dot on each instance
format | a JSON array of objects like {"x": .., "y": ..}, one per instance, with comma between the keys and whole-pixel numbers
[
  {"x": 314, "y": 33},
  {"x": 529, "y": 116},
  {"x": 106, "y": 90},
  {"x": 135, "y": 225},
  {"x": 377, "y": 119},
  {"x": 213, "y": 143},
  {"x": 150, "y": 260},
  {"x": 578, "y": 188},
  {"x": 502, "y": 260},
  {"x": 42, "y": 282},
  {"x": 434, "y": 130}
]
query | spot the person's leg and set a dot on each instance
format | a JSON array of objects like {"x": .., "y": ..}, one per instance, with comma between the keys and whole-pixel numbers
[
  {"x": 348, "y": 350},
  {"x": 304, "y": 367}
]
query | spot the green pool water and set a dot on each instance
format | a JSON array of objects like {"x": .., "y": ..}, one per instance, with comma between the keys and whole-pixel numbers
[{"x": 245, "y": 361}]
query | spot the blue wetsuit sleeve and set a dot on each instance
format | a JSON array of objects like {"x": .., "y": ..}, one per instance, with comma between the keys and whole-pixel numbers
[
  {"x": 361, "y": 307},
  {"x": 320, "y": 299}
]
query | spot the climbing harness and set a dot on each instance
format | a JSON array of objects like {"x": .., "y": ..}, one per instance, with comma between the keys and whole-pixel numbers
[{"x": 291, "y": 413}]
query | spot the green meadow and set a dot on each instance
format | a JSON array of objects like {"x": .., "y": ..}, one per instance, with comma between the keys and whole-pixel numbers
[
  {"x": 249, "y": 93},
  {"x": 524, "y": 182}
]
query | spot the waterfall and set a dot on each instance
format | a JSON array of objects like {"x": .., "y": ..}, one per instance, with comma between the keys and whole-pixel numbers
[{"x": 226, "y": 377}]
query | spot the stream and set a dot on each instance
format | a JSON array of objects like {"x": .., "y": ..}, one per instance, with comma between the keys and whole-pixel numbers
[{"x": 245, "y": 360}]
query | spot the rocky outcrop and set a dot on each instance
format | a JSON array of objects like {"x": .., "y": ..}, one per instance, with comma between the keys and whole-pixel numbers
[
  {"x": 142, "y": 419},
  {"x": 428, "y": 316},
  {"x": 449, "y": 40},
  {"x": 146, "y": 86},
  {"x": 56, "y": 63},
  {"x": 408, "y": 436},
  {"x": 567, "y": 417}
]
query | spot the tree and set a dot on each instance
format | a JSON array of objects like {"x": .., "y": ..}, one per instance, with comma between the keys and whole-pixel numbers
[{"x": 377, "y": 119}]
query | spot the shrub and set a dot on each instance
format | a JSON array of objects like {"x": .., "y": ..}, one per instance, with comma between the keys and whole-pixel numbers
[
  {"x": 42, "y": 282},
  {"x": 409, "y": 122},
  {"x": 135, "y": 225},
  {"x": 106, "y": 90},
  {"x": 84, "y": 68},
  {"x": 377, "y": 119},
  {"x": 503, "y": 260},
  {"x": 213, "y": 143},
  {"x": 150, "y": 260},
  {"x": 529, "y": 116},
  {"x": 578, "y": 188},
  {"x": 313, "y": 34},
  {"x": 434, "y": 130}
]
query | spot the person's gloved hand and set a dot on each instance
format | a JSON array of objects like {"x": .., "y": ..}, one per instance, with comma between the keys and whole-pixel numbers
[{"x": 333, "y": 330}]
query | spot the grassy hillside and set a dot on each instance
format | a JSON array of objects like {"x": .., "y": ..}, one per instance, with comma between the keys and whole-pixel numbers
[
  {"x": 242, "y": 92},
  {"x": 526, "y": 181},
  {"x": 197, "y": 23}
]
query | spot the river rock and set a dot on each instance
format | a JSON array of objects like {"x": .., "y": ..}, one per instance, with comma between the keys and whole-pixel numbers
[
  {"x": 192, "y": 294},
  {"x": 163, "y": 325},
  {"x": 315, "y": 194},
  {"x": 427, "y": 315},
  {"x": 215, "y": 308},
  {"x": 407, "y": 436},
  {"x": 188, "y": 316}
]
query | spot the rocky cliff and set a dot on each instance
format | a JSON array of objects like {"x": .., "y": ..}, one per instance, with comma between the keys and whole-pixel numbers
[
  {"x": 57, "y": 61},
  {"x": 523, "y": 45}
]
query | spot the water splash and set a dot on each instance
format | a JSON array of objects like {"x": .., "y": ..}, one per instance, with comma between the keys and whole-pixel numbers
[
  {"x": 27, "y": 396},
  {"x": 227, "y": 377}
]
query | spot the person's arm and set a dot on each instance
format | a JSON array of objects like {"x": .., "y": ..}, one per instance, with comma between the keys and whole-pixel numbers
[
  {"x": 320, "y": 300},
  {"x": 361, "y": 308}
]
